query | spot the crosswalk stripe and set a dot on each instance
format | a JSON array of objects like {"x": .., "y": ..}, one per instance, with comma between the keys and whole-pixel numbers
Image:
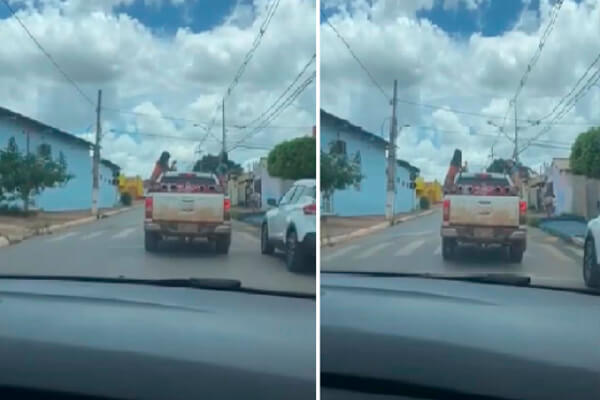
[
  {"x": 91, "y": 235},
  {"x": 410, "y": 248},
  {"x": 340, "y": 252},
  {"x": 372, "y": 250},
  {"x": 577, "y": 252},
  {"x": 125, "y": 232},
  {"x": 62, "y": 237},
  {"x": 438, "y": 250}
]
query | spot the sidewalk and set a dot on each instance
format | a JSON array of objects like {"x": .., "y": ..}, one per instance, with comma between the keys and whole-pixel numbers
[
  {"x": 250, "y": 216},
  {"x": 570, "y": 229},
  {"x": 14, "y": 229},
  {"x": 335, "y": 230}
]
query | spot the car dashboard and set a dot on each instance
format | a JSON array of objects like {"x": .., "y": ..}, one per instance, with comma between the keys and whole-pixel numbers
[
  {"x": 60, "y": 339},
  {"x": 416, "y": 338}
]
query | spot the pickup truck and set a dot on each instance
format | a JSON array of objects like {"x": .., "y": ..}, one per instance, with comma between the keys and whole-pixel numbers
[
  {"x": 187, "y": 205},
  {"x": 484, "y": 209}
]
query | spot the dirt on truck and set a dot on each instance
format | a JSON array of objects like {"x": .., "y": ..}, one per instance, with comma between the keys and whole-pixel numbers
[
  {"x": 187, "y": 206},
  {"x": 482, "y": 209}
]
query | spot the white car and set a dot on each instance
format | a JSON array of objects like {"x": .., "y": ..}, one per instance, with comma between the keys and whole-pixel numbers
[
  {"x": 591, "y": 268},
  {"x": 291, "y": 225}
]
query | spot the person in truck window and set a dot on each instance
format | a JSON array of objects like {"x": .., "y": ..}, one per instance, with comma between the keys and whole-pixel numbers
[{"x": 162, "y": 166}]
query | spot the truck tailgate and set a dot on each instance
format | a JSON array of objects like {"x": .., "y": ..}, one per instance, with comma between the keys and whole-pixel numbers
[
  {"x": 188, "y": 207},
  {"x": 484, "y": 210}
]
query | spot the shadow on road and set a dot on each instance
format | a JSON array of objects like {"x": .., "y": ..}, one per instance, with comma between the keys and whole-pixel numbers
[{"x": 466, "y": 256}]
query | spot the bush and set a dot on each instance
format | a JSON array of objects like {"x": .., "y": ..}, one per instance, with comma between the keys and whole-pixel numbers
[
  {"x": 424, "y": 203},
  {"x": 126, "y": 199}
]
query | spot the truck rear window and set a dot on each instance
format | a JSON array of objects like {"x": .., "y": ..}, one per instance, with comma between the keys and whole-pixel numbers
[
  {"x": 482, "y": 180},
  {"x": 187, "y": 184}
]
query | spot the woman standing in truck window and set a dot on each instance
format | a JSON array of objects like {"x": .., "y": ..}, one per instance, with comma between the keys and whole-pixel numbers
[{"x": 162, "y": 166}]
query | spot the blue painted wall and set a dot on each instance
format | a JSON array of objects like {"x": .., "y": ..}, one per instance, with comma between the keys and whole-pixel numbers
[
  {"x": 76, "y": 194},
  {"x": 369, "y": 197}
]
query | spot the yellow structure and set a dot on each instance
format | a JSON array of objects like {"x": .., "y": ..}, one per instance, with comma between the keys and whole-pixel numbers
[
  {"x": 431, "y": 190},
  {"x": 132, "y": 185}
]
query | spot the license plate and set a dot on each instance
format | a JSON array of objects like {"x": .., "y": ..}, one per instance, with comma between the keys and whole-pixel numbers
[
  {"x": 483, "y": 232},
  {"x": 187, "y": 228}
]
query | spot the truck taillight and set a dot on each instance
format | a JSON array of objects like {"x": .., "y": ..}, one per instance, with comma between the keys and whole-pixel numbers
[
  {"x": 522, "y": 212},
  {"x": 227, "y": 204},
  {"x": 149, "y": 205},
  {"x": 310, "y": 209},
  {"x": 446, "y": 210},
  {"x": 522, "y": 207}
]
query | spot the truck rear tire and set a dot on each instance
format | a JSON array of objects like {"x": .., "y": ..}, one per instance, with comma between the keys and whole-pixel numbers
[
  {"x": 151, "y": 240},
  {"x": 515, "y": 253},
  {"x": 448, "y": 248},
  {"x": 222, "y": 244}
]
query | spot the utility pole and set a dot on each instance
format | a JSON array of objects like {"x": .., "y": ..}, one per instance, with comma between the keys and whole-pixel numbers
[
  {"x": 96, "y": 157},
  {"x": 516, "y": 149},
  {"x": 223, "y": 133},
  {"x": 391, "y": 169}
]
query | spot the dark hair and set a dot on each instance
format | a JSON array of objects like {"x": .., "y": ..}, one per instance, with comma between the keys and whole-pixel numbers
[{"x": 164, "y": 159}]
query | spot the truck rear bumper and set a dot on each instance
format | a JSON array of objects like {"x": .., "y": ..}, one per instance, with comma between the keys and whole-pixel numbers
[
  {"x": 193, "y": 229},
  {"x": 485, "y": 235}
]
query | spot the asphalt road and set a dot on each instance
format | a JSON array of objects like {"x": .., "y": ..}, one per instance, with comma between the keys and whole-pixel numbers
[
  {"x": 415, "y": 246},
  {"x": 114, "y": 247}
]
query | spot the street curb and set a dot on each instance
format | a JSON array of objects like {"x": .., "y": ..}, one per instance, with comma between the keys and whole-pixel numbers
[
  {"x": 7, "y": 241},
  {"x": 328, "y": 242},
  {"x": 576, "y": 241}
]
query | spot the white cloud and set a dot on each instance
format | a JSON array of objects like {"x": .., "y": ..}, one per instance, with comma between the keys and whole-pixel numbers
[
  {"x": 139, "y": 70},
  {"x": 476, "y": 74}
]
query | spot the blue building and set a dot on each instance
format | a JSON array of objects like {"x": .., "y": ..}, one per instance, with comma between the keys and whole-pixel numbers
[
  {"x": 368, "y": 151},
  {"x": 76, "y": 194}
]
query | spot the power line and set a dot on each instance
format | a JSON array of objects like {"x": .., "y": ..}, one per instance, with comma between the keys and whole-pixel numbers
[
  {"x": 568, "y": 105},
  {"x": 535, "y": 57},
  {"x": 48, "y": 55},
  {"x": 195, "y": 122},
  {"x": 247, "y": 58},
  {"x": 287, "y": 89},
  {"x": 362, "y": 65},
  {"x": 278, "y": 110}
]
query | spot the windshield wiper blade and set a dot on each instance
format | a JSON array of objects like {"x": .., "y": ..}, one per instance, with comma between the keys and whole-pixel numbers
[
  {"x": 196, "y": 283},
  {"x": 492, "y": 278}
]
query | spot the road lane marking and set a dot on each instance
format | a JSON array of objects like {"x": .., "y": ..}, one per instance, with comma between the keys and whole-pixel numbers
[
  {"x": 576, "y": 251},
  {"x": 438, "y": 250},
  {"x": 340, "y": 252},
  {"x": 423, "y": 233},
  {"x": 372, "y": 250},
  {"x": 557, "y": 253},
  {"x": 62, "y": 237},
  {"x": 124, "y": 233},
  {"x": 410, "y": 248},
  {"x": 92, "y": 235}
]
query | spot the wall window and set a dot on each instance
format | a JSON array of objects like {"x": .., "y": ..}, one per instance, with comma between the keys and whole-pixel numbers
[{"x": 338, "y": 147}]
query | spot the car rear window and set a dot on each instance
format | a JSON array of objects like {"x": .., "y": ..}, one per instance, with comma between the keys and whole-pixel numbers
[{"x": 189, "y": 180}]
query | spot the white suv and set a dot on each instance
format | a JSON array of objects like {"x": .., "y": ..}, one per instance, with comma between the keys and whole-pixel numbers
[
  {"x": 291, "y": 225},
  {"x": 591, "y": 268}
]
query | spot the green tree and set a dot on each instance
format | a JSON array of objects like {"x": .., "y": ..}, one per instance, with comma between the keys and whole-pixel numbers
[
  {"x": 23, "y": 176},
  {"x": 293, "y": 159},
  {"x": 337, "y": 173},
  {"x": 210, "y": 164},
  {"x": 585, "y": 154}
]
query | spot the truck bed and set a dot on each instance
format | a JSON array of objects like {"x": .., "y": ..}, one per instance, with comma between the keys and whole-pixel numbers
[
  {"x": 489, "y": 211},
  {"x": 188, "y": 207}
]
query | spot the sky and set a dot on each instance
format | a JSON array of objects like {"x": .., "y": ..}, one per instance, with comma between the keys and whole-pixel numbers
[
  {"x": 163, "y": 67},
  {"x": 456, "y": 58}
]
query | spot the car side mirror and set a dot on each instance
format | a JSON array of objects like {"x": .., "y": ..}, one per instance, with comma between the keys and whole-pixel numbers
[{"x": 272, "y": 202}]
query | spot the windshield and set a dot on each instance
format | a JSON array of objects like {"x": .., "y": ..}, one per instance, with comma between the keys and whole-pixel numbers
[
  {"x": 456, "y": 141},
  {"x": 146, "y": 139}
]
